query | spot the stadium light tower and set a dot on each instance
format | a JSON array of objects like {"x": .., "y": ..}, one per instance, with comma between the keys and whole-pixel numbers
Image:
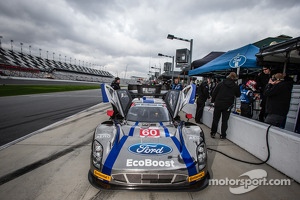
[
  {"x": 159, "y": 54},
  {"x": 21, "y": 47},
  {"x": 29, "y": 49},
  {"x": 171, "y": 37},
  {"x": 11, "y": 45},
  {"x": 40, "y": 53},
  {"x": 0, "y": 41},
  {"x": 159, "y": 68}
]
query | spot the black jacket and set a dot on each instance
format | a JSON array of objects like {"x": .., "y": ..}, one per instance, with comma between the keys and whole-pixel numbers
[
  {"x": 224, "y": 94},
  {"x": 115, "y": 85},
  {"x": 262, "y": 80},
  {"x": 203, "y": 91},
  {"x": 278, "y": 98}
]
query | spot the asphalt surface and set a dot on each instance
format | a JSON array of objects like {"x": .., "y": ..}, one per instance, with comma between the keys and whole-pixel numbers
[
  {"x": 53, "y": 164},
  {"x": 21, "y": 115}
]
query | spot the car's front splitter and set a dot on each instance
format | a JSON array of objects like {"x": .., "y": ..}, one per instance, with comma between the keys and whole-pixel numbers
[{"x": 199, "y": 185}]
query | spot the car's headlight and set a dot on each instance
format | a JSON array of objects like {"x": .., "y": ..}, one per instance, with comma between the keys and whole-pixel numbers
[
  {"x": 97, "y": 153},
  {"x": 201, "y": 155}
]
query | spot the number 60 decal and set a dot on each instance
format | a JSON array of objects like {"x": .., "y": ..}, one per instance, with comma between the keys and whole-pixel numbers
[{"x": 149, "y": 132}]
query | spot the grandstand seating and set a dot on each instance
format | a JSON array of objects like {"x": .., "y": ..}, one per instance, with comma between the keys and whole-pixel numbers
[{"x": 13, "y": 63}]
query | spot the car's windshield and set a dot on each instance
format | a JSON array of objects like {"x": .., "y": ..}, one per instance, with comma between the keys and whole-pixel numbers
[{"x": 148, "y": 113}]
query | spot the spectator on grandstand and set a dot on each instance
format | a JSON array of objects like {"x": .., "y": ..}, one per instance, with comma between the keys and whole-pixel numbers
[
  {"x": 278, "y": 96},
  {"x": 176, "y": 85}
]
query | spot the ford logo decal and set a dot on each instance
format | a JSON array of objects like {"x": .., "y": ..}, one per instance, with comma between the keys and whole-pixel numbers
[
  {"x": 150, "y": 149},
  {"x": 237, "y": 61}
]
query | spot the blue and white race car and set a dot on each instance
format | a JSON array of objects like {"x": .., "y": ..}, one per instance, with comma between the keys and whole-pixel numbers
[{"x": 147, "y": 146}]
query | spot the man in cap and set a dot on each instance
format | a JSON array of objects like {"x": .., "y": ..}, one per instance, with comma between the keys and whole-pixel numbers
[{"x": 223, "y": 98}]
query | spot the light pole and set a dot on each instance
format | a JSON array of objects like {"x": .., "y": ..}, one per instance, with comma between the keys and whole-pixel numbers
[
  {"x": 171, "y": 37},
  {"x": 40, "y": 53},
  {"x": 158, "y": 69},
  {"x": 29, "y": 49},
  {"x": 151, "y": 74},
  {"x": 21, "y": 47},
  {"x": 159, "y": 54},
  {"x": 11, "y": 45},
  {"x": 53, "y": 56},
  {"x": 0, "y": 41}
]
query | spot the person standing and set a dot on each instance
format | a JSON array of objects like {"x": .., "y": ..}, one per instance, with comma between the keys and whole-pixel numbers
[
  {"x": 247, "y": 98},
  {"x": 262, "y": 80},
  {"x": 116, "y": 86},
  {"x": 223, "y": 98},
  {"x": 203, "y": 95},
  {"x": 176, "y": 85},
  {"x": 278, "y": 96}
]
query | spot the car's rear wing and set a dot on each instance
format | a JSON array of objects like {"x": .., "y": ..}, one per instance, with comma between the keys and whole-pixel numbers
[
  {"x": 139, "y": 91},
  {"x": 175, "y": 99}
]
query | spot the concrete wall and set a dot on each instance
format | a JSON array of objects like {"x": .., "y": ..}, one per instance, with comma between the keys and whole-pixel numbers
[{"x": 251, "y": 135}]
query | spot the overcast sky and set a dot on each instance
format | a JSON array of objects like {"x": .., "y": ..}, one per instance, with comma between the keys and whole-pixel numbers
[{"x": 125, "y": 36}]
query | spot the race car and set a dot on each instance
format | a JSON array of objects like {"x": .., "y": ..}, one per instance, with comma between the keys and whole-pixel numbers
[{"x": 146, "y": 146}]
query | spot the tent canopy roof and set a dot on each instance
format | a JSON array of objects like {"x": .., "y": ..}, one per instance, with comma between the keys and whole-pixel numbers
[
  {"x": 243, "y": 57},
  {"x": 209, "y": 57}
]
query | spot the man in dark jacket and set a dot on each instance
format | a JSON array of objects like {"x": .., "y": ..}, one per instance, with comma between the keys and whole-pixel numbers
[
  {"x": 203, "y": 95},
  {"x": 262, "y": 80},
  {"x": 116, "y": 86},
  {"x": 223, "y": 97},
  {"x": 278, "y": 93}
]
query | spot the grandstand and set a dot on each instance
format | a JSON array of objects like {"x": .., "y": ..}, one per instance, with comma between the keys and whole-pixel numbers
[{"x": 19, "y": 64}]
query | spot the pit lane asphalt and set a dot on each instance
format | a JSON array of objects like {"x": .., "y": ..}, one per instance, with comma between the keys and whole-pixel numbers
[
  {"x": 21, "y": 115},
  {"x": 53, "y": 164}
]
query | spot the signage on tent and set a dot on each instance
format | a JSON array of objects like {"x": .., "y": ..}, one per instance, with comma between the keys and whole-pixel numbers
[{"x": 237, "y": 61}]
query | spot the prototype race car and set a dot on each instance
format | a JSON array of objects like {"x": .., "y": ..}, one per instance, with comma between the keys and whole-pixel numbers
[{"x": 147, "y": 146}]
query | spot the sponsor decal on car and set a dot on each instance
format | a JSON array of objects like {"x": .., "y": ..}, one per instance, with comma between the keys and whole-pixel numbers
[
  {"x": 149, "y": 163},
  {"x": 197, "y": 176},
  {"x": 150, "y": 149},
  {"x": 150, "y": 132},
  {"x": 102, "y": 176},
  {"x": 103, "y": 135},
  {"x": 194, "y": 137}
]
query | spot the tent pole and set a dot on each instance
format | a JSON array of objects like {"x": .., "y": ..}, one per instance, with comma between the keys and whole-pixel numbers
[{"x": 285, "y": 62}]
